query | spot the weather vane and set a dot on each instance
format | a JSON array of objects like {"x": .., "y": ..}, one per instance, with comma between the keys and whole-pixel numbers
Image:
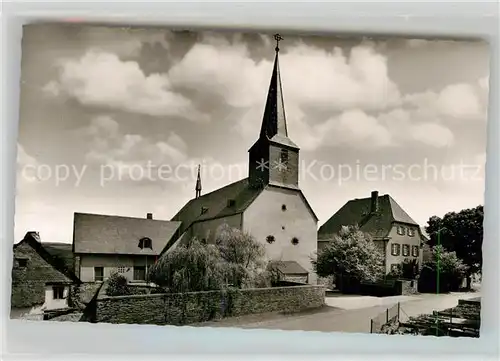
[{"x": 278, "y": 38}]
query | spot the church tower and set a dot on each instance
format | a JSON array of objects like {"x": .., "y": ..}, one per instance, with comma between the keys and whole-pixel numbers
[{"x": 274, "y": 158}]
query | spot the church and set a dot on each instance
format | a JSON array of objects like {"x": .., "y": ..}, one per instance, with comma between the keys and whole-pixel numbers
[{"x": 268, "y": 204}]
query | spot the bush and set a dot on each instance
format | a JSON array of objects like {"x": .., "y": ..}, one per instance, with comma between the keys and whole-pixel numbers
[
  {"x": 445, "y": 267},
  {"x": 350, "y": 252},
  {"x": 117, "y": 286}
]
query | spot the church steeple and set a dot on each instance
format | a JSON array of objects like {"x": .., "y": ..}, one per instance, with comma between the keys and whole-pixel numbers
[
  {"x": 274, "y": 158},
  {"x": 274, "y": 121},
  {"x": 198, "y": 184}
]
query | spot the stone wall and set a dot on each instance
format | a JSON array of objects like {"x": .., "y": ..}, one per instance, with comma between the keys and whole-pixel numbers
[{"x": 194, "y": 307}]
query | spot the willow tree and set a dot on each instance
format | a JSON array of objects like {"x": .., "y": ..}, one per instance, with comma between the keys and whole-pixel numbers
[{"x": 190, "y": 267}]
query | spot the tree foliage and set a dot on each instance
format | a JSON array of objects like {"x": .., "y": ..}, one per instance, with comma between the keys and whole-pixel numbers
[
  {"x": 243, "y": 254},
  {"x": 462, "y": 233},
  {"x": 235, "y": 259},
  {"x": 190, "y": 267},
  {"x": 446, "y": 267},
  {"x": 350, "y": 252}
]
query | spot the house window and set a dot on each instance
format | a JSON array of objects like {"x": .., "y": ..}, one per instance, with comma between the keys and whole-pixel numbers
[
  {"x": 98, "y": 274},
  {"x": 406, "y": 250},
  {"x": 122, "y": 269},
  {"x": 395, "y": 249},
  {"x": 270, "y": 239},
  {"x": 139, "y": 273},
  {"x": 411, "y": 232},
  {"x": 401, "y": 230},
  {"x": 414, "y": 251},
  {"x": 145, "y": 243},
  {"x": 295, "y": 241},
  {"x": 394, "y": 267},
  {"x": 22, "y": 262},
  {"x": 58, "y": 292}
]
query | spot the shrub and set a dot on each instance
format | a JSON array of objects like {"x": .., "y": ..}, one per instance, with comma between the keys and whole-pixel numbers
[
  {"x": 117, "y": 286},
  {"x": 350, "y": 252}
]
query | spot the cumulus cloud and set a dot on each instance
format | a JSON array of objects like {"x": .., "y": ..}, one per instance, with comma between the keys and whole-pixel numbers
[
  {"x": 103, "y": 79},
  {"x": 460, "y": 101},
  {"x": 111, "y": 147}
]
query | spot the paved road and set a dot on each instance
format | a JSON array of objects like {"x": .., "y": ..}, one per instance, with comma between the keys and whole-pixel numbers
[{"x": 330, "y": 319}]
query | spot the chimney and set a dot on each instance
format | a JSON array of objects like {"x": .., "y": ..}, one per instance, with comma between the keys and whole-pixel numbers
[
  {"x": 149, "y": 215},
  {"x": 374, "y": 202},
  {"x": 34, "y": 235}
]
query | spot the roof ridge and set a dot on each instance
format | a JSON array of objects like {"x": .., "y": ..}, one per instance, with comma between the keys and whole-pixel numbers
[
  {"x": 117, "y": 216},
  {"x": 50, "y": 259}
]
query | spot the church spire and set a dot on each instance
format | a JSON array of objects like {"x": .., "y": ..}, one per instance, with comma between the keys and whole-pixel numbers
[
  {"x": 198, "y": 184},
  {"x": 274, "y": 121}
]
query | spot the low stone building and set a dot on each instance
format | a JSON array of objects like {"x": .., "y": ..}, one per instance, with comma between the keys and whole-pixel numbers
[{"x": 40, "y": 281}]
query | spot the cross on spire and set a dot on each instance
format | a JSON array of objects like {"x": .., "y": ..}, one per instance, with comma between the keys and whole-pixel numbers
[{"x": 278, "y": 38}]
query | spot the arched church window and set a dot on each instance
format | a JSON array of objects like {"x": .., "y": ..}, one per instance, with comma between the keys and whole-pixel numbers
[{"x": 283, "y": 207}]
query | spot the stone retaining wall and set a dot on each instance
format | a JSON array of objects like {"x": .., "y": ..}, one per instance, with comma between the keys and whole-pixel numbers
[{"x": 194, "y": 307}]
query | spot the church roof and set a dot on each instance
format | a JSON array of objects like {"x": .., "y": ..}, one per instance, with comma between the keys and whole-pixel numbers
[
  {"x": 107, "y": 234},
  {"x": 274, "y": 120},
  {"x": 232, "y": 199},
  {"x": 216, "y": 204},
  {"x": 357, "y": 211}
]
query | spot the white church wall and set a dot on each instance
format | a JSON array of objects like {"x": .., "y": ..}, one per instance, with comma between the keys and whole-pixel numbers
[{"x": 265, "y": 217}]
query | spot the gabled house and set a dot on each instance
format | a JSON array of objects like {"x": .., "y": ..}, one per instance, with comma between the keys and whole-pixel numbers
[
  {"x": 40, "y": 281},
  {"x": 391, "y": 228},
  {"x": 268, "y": 204},
  {"x": 104, "y": 244}
]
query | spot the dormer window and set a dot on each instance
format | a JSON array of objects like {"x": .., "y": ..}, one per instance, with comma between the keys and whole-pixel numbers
[
  {"x": 145, "y": 243},
  {"x": 231, "y": 203},
  {"x": 411, "y": 232},
  {"x": 204, "y": 210},
  {"x": 401, "y": 230}
]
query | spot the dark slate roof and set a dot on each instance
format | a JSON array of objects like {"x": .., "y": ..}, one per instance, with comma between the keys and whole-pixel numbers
[
  {"x": 106, "y": 234},
  {"x": 62, "y": 270},
  {"x": 288, "y": 267},
  {"x": 216, "y": 203},
  {"x": 357, "y": 211},
  {"x": 217, "y": 206}
]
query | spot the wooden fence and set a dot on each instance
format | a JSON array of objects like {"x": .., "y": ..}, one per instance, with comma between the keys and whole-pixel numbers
[{"x": 389, "y": 316}]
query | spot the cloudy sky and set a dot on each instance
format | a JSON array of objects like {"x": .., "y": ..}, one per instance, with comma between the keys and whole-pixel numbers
[{"x": 114, "y": 120}]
